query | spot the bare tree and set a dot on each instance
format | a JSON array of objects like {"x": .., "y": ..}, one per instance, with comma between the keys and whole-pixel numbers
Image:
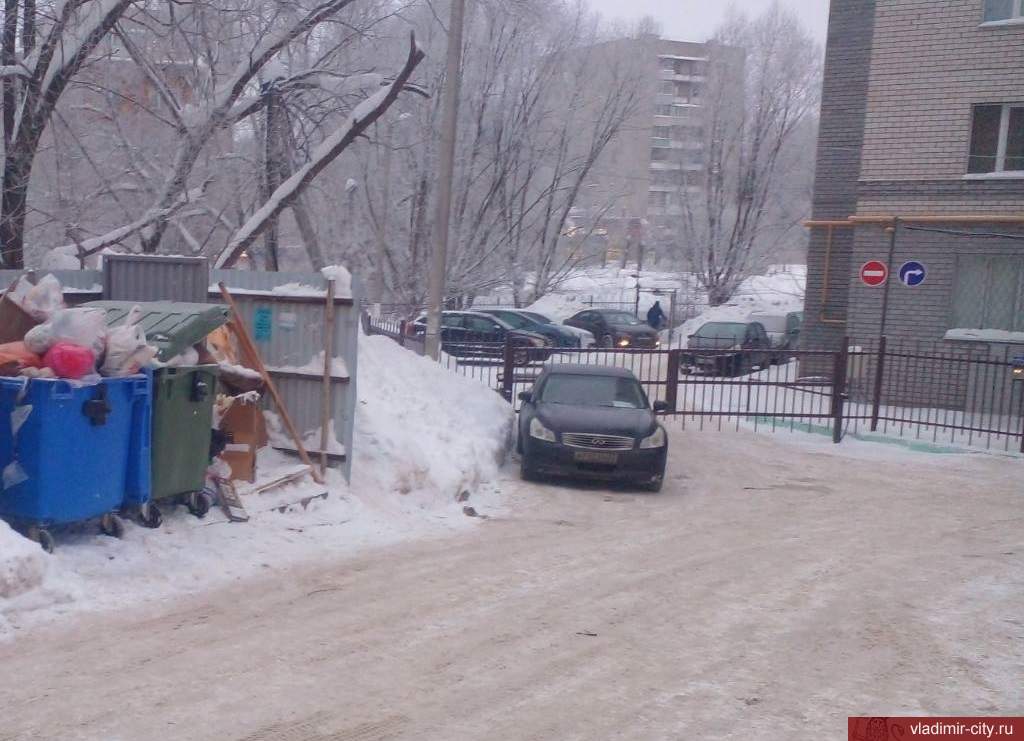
[
  {"x": 542, "y": 98},
  {"x": 760, "y": 99},
  {"x": 161, "y": 127},
  {"x": 56, "y": 40}
]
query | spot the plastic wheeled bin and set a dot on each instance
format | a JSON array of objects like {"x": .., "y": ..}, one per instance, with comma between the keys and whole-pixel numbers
[
  {"x": 183, "y": 398},
  {"x": 72, "y": 452}
]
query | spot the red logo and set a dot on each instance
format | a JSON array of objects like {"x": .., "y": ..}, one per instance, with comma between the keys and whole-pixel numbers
[{"x": 874, "y": 272}]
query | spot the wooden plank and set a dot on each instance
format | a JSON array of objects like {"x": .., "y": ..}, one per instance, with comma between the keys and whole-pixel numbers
[
  {"x": 325, "y": 419},
  {"x": 230, "y": 502}
]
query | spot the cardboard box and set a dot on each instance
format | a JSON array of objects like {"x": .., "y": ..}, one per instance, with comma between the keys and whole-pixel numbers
[{"x": 245, "y": 424}]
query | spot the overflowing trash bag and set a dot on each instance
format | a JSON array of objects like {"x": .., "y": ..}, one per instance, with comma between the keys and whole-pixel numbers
[{"x": 127, "y": 349}]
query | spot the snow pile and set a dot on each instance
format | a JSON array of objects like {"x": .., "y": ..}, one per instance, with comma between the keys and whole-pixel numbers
[
  {"x": 22, "y": 563},
  {"x": 422, "y": 430},
  {"x": 424, "y": 435},
  {"x": 342, "y": 279},
  {"x": 777, "y": 292}
]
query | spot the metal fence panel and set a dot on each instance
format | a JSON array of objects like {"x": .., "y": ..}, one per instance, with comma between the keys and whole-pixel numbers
[
  {"x": 155, "y": 278},
  {"x": 285, "y": 316}
]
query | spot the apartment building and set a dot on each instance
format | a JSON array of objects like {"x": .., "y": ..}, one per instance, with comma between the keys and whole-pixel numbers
[
  {"x": 922, "y": 144},
  {"x": 635, "y": 190}
]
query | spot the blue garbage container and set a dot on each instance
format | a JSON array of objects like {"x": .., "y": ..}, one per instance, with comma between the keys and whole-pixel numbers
[{"x": 71, "y": 453}]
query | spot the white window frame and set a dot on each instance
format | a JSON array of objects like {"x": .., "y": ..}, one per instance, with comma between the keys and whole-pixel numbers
[
  {"x": 1004, "y": 131},
  {"x": 1004, "y": 135}
]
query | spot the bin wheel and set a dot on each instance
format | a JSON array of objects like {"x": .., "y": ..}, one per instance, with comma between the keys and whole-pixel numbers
[
  {"x": 150, "y": 516},
  {"x": 112, "y": 526},
  {"x": 43, "y": 537},
  {"x": 199, "y": 503}
]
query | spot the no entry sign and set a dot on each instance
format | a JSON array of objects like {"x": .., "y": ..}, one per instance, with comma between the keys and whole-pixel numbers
[{"x": 874, "y": 272}]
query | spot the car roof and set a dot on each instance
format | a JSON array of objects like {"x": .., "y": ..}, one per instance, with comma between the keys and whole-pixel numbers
[
  {"x": 581, "y": 369},
  {"x": 494, "y": 310}
]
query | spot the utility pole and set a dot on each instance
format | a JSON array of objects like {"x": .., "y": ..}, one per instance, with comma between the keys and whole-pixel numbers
[{"x": 450, "y": 113}]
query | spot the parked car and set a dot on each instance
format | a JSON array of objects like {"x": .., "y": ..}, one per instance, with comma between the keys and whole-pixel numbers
[
  {"x": 560, "y": 335},
  {"x": 473, "y": 334},
  {"x": 615, "y": 328},
  {"x": 783, "y": 332},
  {"x": 727, "y": 348},
  {"x": 591, "y": 422}
]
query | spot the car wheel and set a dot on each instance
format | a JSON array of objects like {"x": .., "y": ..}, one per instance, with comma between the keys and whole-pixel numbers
[
  {"x": 520, "y": 356},
  {"x": 608, "y": 341},
  {"x": 655, "y": 484},
  {"x": 525, "y": 472}
]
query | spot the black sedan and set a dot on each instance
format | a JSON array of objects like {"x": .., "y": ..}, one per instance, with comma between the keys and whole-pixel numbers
[
  {"x": 727, "y": 348},
  {"x": 615, "y": 328},
  {"x": 472, "y": 334},
  {"x": 530, "y": 321},
  {"x": 591, "y": 422}
]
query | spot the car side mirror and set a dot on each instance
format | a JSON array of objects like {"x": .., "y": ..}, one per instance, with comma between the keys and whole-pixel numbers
[
  {"x": 525, "y": 395},
  {"x": 661, "y": 406}
]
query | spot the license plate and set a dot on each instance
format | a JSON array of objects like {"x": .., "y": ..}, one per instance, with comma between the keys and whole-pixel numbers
[{"x": 587, "y": 456}]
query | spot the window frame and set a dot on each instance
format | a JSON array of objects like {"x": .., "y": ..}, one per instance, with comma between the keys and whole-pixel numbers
[
  {"x": 1016, "y": 14},
  {"x": 1003, "y": 136}
]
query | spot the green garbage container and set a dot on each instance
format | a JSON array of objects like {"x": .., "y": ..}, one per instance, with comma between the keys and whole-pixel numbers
[{"x": 183, "y": 400}]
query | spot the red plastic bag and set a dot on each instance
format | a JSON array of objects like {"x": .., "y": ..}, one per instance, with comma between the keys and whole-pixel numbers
[{"x": 68, "y": 360}]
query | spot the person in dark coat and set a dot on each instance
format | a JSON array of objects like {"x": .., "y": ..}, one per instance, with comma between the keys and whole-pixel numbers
[{"x": 655, "y": 315}]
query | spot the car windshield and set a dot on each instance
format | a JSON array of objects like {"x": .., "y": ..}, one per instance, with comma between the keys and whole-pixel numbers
[
  {"x": 539, "y": 318},
  {"x": 621, "y": 317},
  {"x": 723, "y": 330},
  {"x": 772, "y": 323},
  {"x": 593, "y": 391}
]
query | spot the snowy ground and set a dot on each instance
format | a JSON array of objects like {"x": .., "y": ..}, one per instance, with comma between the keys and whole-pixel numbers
[
  {"x": 424, "y": 436},
  {"x": 777, "y": 585}
]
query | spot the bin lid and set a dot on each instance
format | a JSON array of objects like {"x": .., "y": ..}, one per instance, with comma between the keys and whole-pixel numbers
[{"x": 170, "y": 326}]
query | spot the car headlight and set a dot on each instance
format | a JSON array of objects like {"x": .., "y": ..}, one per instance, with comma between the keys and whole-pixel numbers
[
  {"x": 539, "y": 431},
  {"x": 657, "y": 440},
  {"x": 623, "y": 342}
]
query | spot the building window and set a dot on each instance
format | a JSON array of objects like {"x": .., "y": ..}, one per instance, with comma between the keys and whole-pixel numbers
[
  {"x": 989, "y": 292},
  {"x": 659, "y": 155},
  {"x": 1002, "y": 10},
  {"x": 997, "y": 138}
]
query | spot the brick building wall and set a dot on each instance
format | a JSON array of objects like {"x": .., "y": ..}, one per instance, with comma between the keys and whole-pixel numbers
[
  {"x": 843, "y": 108},
  {"x": 927, "y": 63},
  {"x": 933, "y": 59}
]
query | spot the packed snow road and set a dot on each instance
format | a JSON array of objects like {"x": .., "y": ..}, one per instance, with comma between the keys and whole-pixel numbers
[{"x": 771, "y": 589}]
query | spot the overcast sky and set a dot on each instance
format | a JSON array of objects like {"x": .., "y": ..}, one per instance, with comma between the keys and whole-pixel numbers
[{"x": 695, "y": 20}]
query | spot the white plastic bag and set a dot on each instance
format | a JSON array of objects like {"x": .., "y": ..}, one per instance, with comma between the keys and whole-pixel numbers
[
  {"x": 43, "y": 300},
  {"x": 82, "y": 326},
  {"x": 127, "y": 349}
]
